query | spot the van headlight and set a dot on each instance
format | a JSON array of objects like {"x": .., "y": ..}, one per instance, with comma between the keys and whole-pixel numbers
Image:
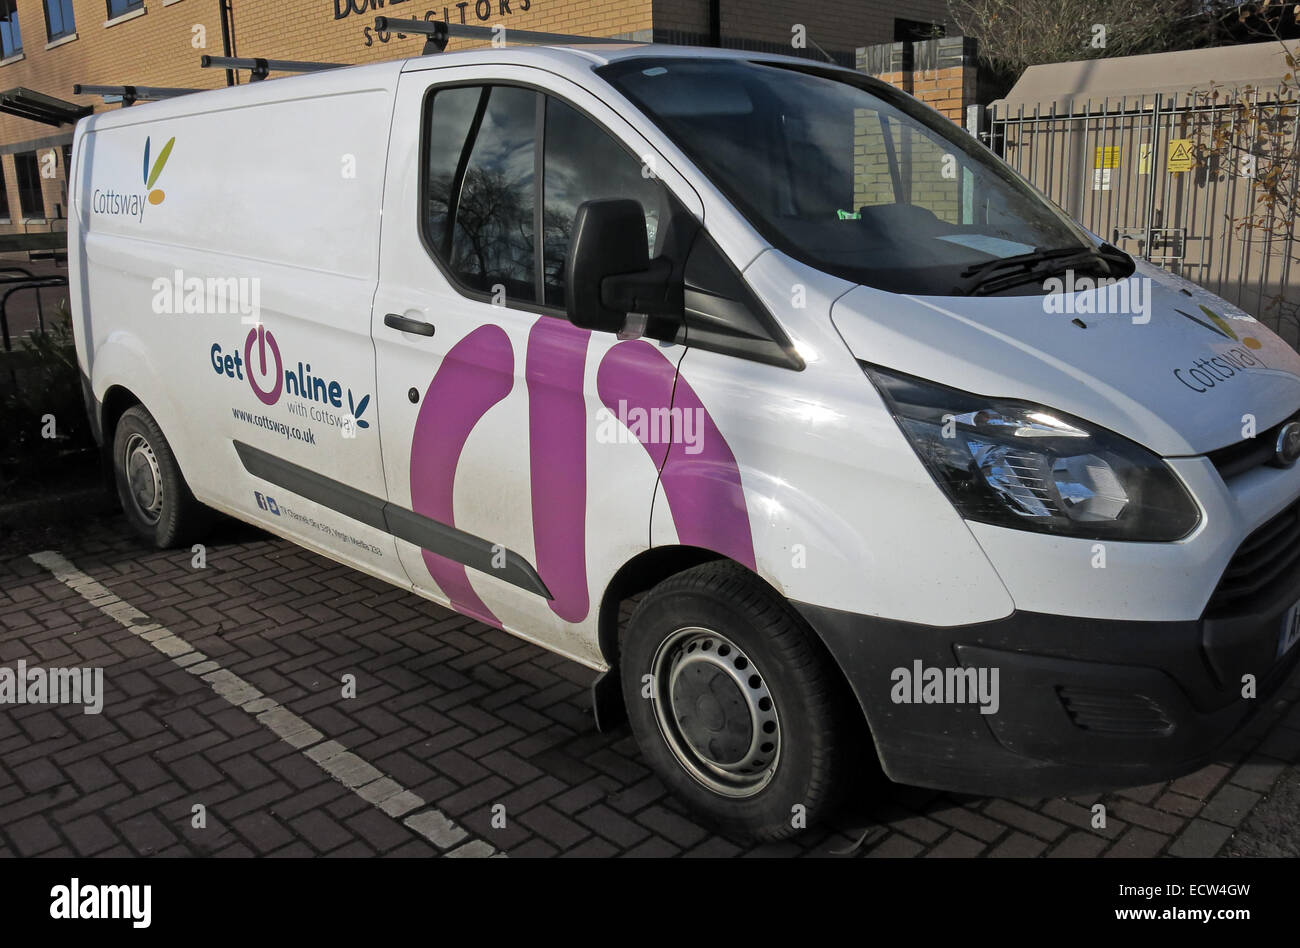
[{"x": 1015, "y": 464}]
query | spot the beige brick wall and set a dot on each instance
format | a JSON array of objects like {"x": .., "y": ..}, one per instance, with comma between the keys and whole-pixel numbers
[
  {"x": 947, "y": 90},
  {"x": 313, "y": 32},
  {"x": 872, "y": 183},
  {"x": 162, "y": 46},
  {"x": 922, "y": 170},
  {"x": 929, "y": 179}
]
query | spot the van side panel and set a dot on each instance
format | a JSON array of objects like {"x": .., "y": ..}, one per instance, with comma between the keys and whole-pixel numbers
[
  {"x": 229, "y": 245},
  {"x": 513, "y": 433}
]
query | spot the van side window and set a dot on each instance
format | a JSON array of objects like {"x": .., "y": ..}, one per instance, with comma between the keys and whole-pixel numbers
[
  {"x": 481, "y": 195},
  {"x": 446, "y": 137},
  {"x": 724, "y": 315},
  {"x": 480, "y": 214},
  {"x": 583, "y": 162}
]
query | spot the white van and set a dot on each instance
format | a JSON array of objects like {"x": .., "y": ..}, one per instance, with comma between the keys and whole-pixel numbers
[{"x": 888, "y": 451}]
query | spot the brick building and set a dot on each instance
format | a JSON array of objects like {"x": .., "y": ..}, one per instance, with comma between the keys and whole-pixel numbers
[{"x": 47, "y": 46}]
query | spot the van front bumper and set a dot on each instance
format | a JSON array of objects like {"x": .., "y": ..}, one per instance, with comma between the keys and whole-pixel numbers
[{"x": 1082, "y": 705}]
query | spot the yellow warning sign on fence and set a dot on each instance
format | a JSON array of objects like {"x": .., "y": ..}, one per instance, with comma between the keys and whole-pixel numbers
[
  {"x": 1106, "y": 157},
  {"x": 1181, "y": 156}
]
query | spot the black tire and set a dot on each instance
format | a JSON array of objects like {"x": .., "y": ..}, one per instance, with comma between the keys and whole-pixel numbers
[
  {"x": 170, "y": 516},
  {"x": 698, "y": 697}
]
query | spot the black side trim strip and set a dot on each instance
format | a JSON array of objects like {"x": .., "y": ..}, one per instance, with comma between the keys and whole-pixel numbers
[
  {"x": 425, "y": 532},
  {"x": 465, "y": 548},
  {"x": 346, "y": 500}
]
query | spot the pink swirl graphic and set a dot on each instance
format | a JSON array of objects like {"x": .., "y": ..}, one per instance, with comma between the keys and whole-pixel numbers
[
  {"x": 557, "y": 437},
  {"x": 475, "y": 374},
  {"x": 705, "y": 495}
]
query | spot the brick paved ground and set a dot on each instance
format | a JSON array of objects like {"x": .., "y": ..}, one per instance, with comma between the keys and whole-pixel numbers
[{"x": 461, "y": 715}]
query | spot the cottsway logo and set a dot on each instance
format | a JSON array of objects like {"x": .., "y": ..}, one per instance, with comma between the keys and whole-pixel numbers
[
  {"x": 1226, "y": 364},
  {"x": 1217, "y": 324},
  {"x": 156, "y": 196},
  {"x": 132, "y": 203}
]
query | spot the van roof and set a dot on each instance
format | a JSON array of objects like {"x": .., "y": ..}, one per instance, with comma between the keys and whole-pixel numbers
[
  {"x": 568, "y": 61},
  {"x": 599, "y": 54}
]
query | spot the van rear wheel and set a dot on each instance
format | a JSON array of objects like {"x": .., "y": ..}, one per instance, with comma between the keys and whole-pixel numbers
[
  {"x": 155, "y": 498},
  {"x": 734, "y": 703}
]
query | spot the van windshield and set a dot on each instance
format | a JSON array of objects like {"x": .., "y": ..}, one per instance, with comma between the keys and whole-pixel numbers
[{"x": 853, "y": 177}]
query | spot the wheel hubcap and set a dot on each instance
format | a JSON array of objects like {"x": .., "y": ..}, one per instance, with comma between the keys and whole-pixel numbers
[
  {"x": 715, "y": 712},
  {"x": 143, "y": 478}
]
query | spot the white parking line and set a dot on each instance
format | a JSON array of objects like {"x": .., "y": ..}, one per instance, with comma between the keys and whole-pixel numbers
[{"x": 332, "y": 757}]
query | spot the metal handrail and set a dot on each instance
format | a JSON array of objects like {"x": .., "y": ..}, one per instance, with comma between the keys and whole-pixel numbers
[{"x": 24, "y": 281}]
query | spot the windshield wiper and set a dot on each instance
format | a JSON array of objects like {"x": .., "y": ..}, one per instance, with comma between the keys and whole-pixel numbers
[{"x": 982, "y": 279}]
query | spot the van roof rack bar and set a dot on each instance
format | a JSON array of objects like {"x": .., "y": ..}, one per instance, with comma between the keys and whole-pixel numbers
[
  {"x": 260, "y": 68},
  {"x": 132, "y": 94},
  {"x": 437, "y": 32}
]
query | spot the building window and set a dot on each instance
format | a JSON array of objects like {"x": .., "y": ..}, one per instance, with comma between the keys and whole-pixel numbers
[
  {"x": 59, "y": 21},
  {"x": 4, "y": 195},
  {"x": 11, "y": 41},
  {"x": 28, "y": 173},
  {"x": 119, "y": 7}
]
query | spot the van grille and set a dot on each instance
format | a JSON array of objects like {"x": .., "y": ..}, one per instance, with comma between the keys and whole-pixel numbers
[
  {"x": 1249, "y": 454},
  {"x": 1114, "y": 712},
  {"x": 1267, "y": 554}
]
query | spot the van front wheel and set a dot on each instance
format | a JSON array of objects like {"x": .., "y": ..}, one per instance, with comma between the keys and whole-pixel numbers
[
  {"x": 734, "y": 703},
  {"x": 154, "y": 496}
]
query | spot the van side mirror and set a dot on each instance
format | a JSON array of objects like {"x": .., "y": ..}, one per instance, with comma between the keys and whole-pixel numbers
[{"x": 609, "y": 272}]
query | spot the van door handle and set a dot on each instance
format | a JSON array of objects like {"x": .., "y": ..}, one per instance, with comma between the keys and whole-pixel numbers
[{"x": 403, "y": 324}]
